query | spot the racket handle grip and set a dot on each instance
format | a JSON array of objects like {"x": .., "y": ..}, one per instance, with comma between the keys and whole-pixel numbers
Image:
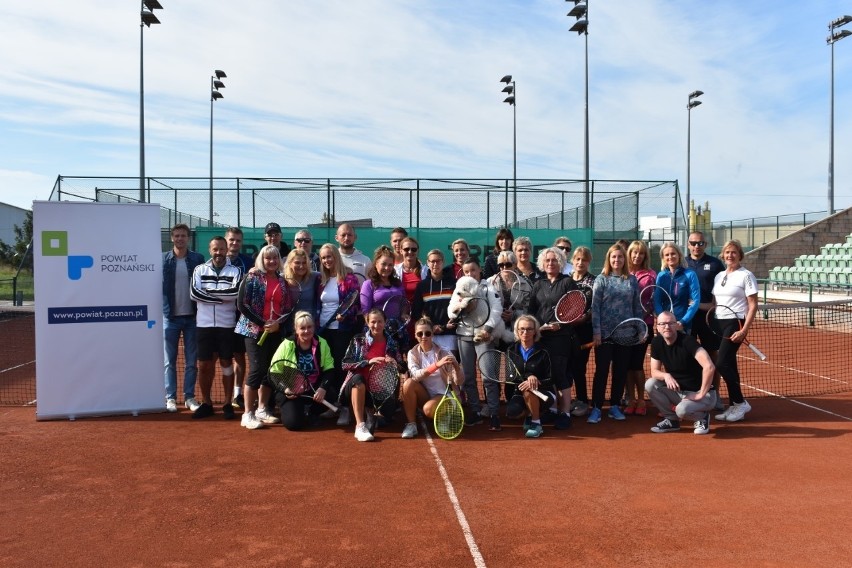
[
  {"x": 540, "y": 395},
  {"x": 330, "y": 406},
  {"x": 757, "y": 351},
  {"x": 588, "y": 345},
  {"x": 262, "y": 337}
]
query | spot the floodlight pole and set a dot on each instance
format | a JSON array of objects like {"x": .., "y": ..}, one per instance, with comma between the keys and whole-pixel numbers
[
  {"x": 581, "y": 26},
  {"x": 691, "y": 102},
  {"x": 833, "y": 37},
  {"x": 511, "y": 89},
  {"x": 147, "y": 18},
  {"x": 215, "y": 85}
]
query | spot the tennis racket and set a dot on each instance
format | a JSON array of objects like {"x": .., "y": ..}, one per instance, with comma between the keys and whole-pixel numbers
[
  {"x": 475, "y": 313},
  {"x": 718, "y": 319},
  {"x": 382, "y": 381},
  {"x": 342, "y": 308},
  {"x": 630, "y": 332},
  {"x": 496, "y": 366},
  {"x": 449, "y": 416},
  {"x": 569, "y": 308},
  {"x": 513, "y": 288},
  {"x": 288, "y": 303},
  {"x": 290, "y": 381},
  {"x": 397, "y": 311},
  {"x": 652, "y": 295}
]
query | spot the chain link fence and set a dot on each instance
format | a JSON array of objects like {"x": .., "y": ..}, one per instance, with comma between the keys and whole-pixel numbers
[{"x": 615, "y": 206}]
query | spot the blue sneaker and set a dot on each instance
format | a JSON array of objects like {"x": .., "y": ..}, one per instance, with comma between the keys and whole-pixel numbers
[
  {"x": 594, "y": 416},
  {"x": 527, "y": 423},
  {"x": 534, "y": 431},
  {"x": 616, "y": 414}
]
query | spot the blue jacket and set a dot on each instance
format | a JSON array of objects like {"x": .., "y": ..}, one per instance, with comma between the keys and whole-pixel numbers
[
  {"x": 192, "y": 260},
  {"x": 685, "y": 292}
]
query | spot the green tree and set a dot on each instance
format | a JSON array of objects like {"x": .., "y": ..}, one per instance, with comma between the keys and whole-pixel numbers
[{"x": 14, "y": 254}]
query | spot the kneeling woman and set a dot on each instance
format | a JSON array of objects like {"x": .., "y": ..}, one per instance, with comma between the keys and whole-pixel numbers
[
  {"x": 533, "y": 364},
  {"x": 312, "y": 356},
  {"x": 374, "y": 347},
  {"x": 430, "y": 369}
]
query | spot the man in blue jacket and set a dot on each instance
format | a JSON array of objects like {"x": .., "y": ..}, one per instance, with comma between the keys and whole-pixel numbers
[{"x": 179, "y": 317}]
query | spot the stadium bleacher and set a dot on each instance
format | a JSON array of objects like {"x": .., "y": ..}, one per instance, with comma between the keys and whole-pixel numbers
[{"x": 831, "y": 268}]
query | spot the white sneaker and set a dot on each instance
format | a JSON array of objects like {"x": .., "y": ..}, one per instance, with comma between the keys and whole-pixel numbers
[
  {"x": 410, "y": 430},
  {"x": 250, "y": 421},
  {"x": 264, "y": 416},
  {"x": 192, "y": 404},
  {"x": 362, "y": 434},
  {"x": 701, "y": 427},
  {"x": 171, "y": 405},
  {"x": 344, "y": 418},
  {"x": 736, "y": 412}
]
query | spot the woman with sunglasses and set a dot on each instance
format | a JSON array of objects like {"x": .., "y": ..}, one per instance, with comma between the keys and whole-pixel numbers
[
  {"x": 735, "y": 288},
  {"x": 410, "y": 271},
  {"x": 564, "y": 244},
  {"x": 431, "y": 368},
  {"x": 503, "y": 241},
  {"x": 682, "y": 285},
  {"x": 503, "y": 281}
]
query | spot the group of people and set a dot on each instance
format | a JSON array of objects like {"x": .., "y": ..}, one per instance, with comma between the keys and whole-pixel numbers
[{"x": 231, "y": 306}]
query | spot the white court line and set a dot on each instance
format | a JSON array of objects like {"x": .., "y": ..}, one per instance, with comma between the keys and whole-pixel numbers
[
  {"x": 799, "y": 402},
  {"x": 468, "y": 534},
  {"x": 17, "y": 366}
]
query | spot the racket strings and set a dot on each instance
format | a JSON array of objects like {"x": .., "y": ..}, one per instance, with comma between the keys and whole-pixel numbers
[
  {"x": 630, "y": 332},
  {"x": 571, "y": 307},
  {"x": 382, "y": 381}
]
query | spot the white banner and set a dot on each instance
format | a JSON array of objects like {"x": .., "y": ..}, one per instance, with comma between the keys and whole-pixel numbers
[{"x": 98, "y": 307}]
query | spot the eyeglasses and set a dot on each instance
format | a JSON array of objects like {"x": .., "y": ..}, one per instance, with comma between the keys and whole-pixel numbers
[
  {"x": 423, "y": 334},
  {"x": 303, "y": 240},
  {"x": 410, "y": 249},
  {"x": 697, "y": 243},
  {"x": 526, "y": 330},
  {"x": 724, "y": 280},
  {"x": 666, "y": 323},
  {"x": 502, "y": 265},
  {"x": 434, "y": 261}
]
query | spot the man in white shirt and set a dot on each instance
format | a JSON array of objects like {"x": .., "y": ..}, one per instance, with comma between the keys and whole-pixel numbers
[{"x": 356, "y": 260}]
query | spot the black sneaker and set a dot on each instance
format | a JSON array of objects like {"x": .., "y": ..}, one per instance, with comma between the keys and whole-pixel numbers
[
  {"x": 548, "y": 417},
  {"x": 495, "y": 424},
  {"x": 228, "y": 411},
  {"x": 472, "y": 419},
  {"x": 563, "y": 421},
  {"x": 239, "y": 402},
  {"x": 203, "y": 411},
  {"x": 666, "y": 425}
]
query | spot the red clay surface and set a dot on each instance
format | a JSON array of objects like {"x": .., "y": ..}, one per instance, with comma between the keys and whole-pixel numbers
[{"x": 166, "y": 490}]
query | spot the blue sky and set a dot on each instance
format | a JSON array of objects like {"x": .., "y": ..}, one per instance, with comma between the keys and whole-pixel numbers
[{"x": 382, "y": 88}]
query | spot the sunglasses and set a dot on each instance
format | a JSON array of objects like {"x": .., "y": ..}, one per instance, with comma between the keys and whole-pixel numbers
[
  {"x": 303, "y": 240},
  {"x": 423, "y": 334},
  {"x": 410, "y": 249},
  {"x": 724, "y": 280},
  {"x": 502, "y": 265},
  {"x": 697, "y": 243},
  {"x": 566, "y": 249}
]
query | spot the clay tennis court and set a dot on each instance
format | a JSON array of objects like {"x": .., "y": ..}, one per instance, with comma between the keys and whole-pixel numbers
[{"x": 166, "y": 490}]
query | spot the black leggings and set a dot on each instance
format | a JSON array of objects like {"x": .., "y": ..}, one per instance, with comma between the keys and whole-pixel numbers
[
  {"x": 726, "y": 361},
  {"x": 619, "y": 357}
]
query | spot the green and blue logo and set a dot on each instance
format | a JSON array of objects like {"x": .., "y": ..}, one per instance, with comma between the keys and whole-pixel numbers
[{"x": 55, "y": 243}]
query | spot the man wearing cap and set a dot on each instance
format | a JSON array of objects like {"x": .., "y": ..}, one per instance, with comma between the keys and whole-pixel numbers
[
  {"x": 304, "y": 240},
  {"x": 272, "y": 236},
  {"x": 356, "y": 260}
]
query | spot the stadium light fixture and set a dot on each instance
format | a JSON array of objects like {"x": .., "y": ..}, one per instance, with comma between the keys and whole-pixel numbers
[
  {"x": 215, "y": 84},
  {"x": 147, "y": 18},
  {"x": 580, "y": 11},
  {"x": 691, "y": 102},
  {"x": 509, "y": 89},
  {"x": 833, "y": 37}
]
